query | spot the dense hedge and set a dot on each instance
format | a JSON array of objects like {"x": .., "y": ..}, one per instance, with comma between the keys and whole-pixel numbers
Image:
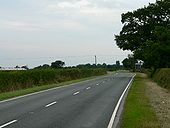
[
  {"x": 14, "y": 80},
  {"x": 162, "y": 77}
]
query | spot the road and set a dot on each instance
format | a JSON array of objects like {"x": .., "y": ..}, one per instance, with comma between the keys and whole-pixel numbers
[{"x": 87, "y": 104}]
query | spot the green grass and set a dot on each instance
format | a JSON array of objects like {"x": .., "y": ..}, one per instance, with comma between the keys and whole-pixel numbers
[
  {"x": 138, "y": 112},
  {"x": 7, "y": 95}
]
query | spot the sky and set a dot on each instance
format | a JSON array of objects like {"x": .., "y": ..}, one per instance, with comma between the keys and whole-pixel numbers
[{"x": 36, "y": 32}]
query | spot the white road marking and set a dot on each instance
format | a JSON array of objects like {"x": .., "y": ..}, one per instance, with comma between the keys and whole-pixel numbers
[
  {"x": 76, "y": 93},
  {"x": 48, "y": 105},
  {"x": 11, "y": 122},
  {"x": 118, "y": 104},
  {"x": 31, "y": 112},
  {"x": 88, "y": 88}
]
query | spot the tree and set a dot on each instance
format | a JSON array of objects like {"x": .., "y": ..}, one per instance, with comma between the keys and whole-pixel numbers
[
  {"x": 117, "y": 64},
  {"x": 129, "y": 63},
  {"x": 25, "y": 67},
  {"x": 146, "y": 33},
  {"x": 45, "y": 66},
  {"x": 57, "y": 64}
]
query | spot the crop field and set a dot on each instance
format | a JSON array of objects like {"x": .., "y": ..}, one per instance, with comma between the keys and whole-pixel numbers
[{"x": 15, "y": 80}]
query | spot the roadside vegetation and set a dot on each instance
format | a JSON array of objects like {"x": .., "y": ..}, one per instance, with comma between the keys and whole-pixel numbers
[
  {"x": 20, "y": 92},
  {"x": 138, "y": 112},
  {"x": 146, "y": 33},
  {"x": 16, "y": 80},
  {"x": 162, "y": 77},
  {"x": 20, "y": 82}
]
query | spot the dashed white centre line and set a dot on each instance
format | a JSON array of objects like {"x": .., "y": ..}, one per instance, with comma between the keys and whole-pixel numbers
[
  {"x": 11, "y": 122},
  {"x": 48, "y": 105},
  {"x": 76, "y": 93},
  {"x": 88, "y": 88}
]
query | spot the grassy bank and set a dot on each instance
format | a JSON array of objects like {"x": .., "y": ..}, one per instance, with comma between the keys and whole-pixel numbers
[
  {"x": 162, "y": 77},
  {"x": 138, "y": 112},
  {"x": 16, "y": 80}
]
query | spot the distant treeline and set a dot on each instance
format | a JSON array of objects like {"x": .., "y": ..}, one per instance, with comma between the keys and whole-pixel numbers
[
  {"x": 60, "y": 64},
  {"x": 105, "y": 66},
  {"x": 15, "y": 80}
]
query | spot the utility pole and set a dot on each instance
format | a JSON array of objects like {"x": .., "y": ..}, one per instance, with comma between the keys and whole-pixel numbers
[{"x": 95, "y": 59}]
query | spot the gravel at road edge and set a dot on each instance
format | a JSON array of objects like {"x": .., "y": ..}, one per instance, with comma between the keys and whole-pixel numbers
[{"x": 160, "y": 101}]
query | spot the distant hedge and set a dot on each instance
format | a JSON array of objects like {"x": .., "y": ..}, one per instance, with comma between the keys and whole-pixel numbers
[
  {"x": 15, "y": 80},
  {"x": 162, "y": 77}
]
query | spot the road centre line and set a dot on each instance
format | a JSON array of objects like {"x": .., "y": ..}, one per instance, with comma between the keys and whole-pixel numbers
[
  {"x": 11, "y": 122},
  {"x": 76, "y": 93},
  {"x": 48, "y": 105},
  {"x": 88, "y": 88}
]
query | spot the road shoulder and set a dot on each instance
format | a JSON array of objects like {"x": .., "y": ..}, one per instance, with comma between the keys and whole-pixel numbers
[
  {"x": 138, "y": 112},
  {"x": 160, "y": 101}
]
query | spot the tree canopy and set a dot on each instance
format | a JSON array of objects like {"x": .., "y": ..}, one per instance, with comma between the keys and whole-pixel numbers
[
  {"x": 146, "y": 32},
  {"x": 57, "y": 64}
]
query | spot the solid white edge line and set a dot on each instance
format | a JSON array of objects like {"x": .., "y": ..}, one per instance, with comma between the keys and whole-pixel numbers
[
  {"x": 11, "y": 122},
  {"x": 76, "y": 93},
  {"x": 48, "y": 105},
  {"x": 118, "y": 104}
]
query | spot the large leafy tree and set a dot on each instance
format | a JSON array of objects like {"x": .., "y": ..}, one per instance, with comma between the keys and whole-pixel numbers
[
  {"x": 57, "y": 64},
  {"x": 146, "y": 32}
]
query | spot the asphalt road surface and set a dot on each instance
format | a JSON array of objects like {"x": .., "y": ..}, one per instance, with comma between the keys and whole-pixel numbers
[{"x": 87, "y": 104}]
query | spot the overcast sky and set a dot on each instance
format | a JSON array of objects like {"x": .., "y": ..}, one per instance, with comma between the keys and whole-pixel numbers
[{"x": 34, "y": 32}]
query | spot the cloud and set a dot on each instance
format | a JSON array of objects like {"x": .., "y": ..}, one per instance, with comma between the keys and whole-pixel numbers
[
  {"x": 79, "y": 7},
  {"x": 77, "y": 4}
]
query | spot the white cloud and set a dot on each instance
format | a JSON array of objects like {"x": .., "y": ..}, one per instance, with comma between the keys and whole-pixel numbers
[
  {"x": 77, "y": 4},
  {"x": 82, "y": 7}
]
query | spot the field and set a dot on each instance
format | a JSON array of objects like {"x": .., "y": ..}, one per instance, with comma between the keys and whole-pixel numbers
[{"x": 16, "y": 80}]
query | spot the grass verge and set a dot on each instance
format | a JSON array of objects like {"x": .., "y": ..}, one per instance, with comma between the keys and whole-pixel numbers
[
  {"x": 7, "y": 95},
  {"x": 138, "y": 112}
]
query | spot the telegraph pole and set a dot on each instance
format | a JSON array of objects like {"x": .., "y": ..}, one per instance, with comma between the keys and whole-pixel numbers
[{"x": 95, "y": 59}]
